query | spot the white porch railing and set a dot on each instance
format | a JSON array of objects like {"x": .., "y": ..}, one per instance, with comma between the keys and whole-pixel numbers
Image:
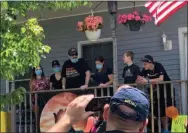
[{"x": 26, "y": 120}]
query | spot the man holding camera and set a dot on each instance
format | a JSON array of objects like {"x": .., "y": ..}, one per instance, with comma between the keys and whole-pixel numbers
[{"x": 127, "y": 112}]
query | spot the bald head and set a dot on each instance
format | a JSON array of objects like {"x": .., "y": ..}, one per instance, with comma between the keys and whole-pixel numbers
[{"x": 123, "y": 87}]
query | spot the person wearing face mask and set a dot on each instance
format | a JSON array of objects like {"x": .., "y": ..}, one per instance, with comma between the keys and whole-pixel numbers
[
  {"x": 103, "y": 76},
  {"x": 75, "y": 71},
  {"x": 56, "y": 78},
  {"x": 38, "y": 80}
]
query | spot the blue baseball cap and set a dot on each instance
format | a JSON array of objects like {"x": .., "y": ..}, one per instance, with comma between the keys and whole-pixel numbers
[{"x": 133, "y": 98}]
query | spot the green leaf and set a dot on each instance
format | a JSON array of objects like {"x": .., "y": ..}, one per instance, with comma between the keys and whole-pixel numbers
[{"x": 23, "y": 30}]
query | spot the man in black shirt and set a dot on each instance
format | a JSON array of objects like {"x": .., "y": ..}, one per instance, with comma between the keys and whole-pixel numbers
[
  {"x": 131, "y": 71},
  {"x": 154, "y": 72},
  {"x": 127, "y": 112},
  {"x": 75, "y": 71}
]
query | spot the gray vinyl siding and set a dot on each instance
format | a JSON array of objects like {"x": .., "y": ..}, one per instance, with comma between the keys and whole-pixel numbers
[
  {"x": 61, "y": 35},
  {"x": 3, "y": 86}
]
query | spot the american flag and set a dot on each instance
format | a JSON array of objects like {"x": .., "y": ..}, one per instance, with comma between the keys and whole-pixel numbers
[{"x": 161, "y": 10}]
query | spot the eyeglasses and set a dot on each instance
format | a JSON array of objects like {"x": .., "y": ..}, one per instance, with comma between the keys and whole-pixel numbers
[
  {"x": 37, "y": 69},
  {"x": 74, "y": 55}
]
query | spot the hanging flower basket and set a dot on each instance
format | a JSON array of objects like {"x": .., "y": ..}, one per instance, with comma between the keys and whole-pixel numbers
[
  {"x": 134, "y": 20},
  {"x": 93, "y": 35},
  {"x": 92, "y": 26}
]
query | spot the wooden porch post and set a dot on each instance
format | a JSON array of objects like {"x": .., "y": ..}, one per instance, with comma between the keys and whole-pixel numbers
[
  {"x": 13, "y": 111},
  {"x": 112, "y": 9}
]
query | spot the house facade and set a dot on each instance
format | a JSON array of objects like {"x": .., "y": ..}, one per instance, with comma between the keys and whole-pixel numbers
[{"x": 61, "y": 35}]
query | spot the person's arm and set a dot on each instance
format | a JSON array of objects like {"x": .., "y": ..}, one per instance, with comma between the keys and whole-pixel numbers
[
  {"x": 161, "y": 71},
  {"x": 51, "y": 87},
  {"x": 63, "y": 83},
  {"x": 86, "y": 69},
  {"x": 141, "y": 76},
  {"x": 160, "y": 79},
  {"x": 110, "y": 77},
  {"x": 63, "y": 74},
  {"x": 88, "y": 75},
  {"x": 111, "y": 80},
  {"x": 47, "y": 83}
]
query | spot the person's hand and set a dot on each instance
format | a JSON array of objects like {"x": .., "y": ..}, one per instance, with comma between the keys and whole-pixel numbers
[
  {"x": 102, "y": 85},
  {"x": 76, "y": 110},
  {"x": 83, "y": 87},
  {"x": 141, "y": 80},
  {"x": 144, "y": 80}
]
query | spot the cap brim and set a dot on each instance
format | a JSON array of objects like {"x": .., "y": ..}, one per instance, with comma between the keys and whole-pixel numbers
[{"x": 148, "y": 61}]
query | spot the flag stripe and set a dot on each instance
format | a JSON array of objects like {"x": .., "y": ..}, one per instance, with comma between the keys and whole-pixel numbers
[
  {"x": 169, "y": 6},
  {"x": 161, "y": 10},
  {"x": 172, "y": 12},
  {"x": 164, "y": 7}
]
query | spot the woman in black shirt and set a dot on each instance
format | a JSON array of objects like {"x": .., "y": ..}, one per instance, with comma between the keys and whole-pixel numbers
[
  {"x": 56, "y": 79},
  {"x": 103, "y": 76}
]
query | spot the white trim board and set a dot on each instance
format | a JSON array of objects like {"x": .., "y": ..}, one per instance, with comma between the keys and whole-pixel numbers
[
  {"x": 83, "y": 43},
  {"x": 183, "y": 65}
]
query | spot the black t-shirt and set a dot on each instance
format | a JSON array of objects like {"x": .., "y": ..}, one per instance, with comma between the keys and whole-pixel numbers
[
  {"x": 75, "y": 73},
  {"x": 130, "y": 73},
  {"x": 56, "y": 84},
  {"x": 158, "y": 70},
  {"x": 102, "y": 77}
]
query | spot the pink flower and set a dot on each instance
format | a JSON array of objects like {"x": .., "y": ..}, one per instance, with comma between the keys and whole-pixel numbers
[
  {"x": 137, "y": 18},
  {"x": 79, "y": 26},
  {"x": 98, "y": 19},
  {"x": 130, "y": 16},
  {"x": 122, "y": 18},
  {"x": 135, "y": 13},
  {"x": 80, "y": 23}
]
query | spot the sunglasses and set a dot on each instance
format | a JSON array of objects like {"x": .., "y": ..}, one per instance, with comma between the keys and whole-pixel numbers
[{"x": 74, "y": 54}]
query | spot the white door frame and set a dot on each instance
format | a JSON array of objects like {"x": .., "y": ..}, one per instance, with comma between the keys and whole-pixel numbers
[
  {"x": 183, "y": 66},
  {"x": 83, "y": 43}
]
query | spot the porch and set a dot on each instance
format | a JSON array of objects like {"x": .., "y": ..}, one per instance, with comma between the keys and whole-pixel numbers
[
  {"x": 25, "y": 119},
  {"x": 147, "y": 41}
]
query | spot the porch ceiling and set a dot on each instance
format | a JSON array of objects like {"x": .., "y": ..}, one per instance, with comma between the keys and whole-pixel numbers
[{"x": 46, "y": 14}]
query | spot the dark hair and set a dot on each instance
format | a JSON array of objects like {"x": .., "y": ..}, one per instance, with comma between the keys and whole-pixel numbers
[
  {"x": 100, "y": 58},
  {"x": 33, "y": 77},
  {"x": 130, "y": 54}
]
